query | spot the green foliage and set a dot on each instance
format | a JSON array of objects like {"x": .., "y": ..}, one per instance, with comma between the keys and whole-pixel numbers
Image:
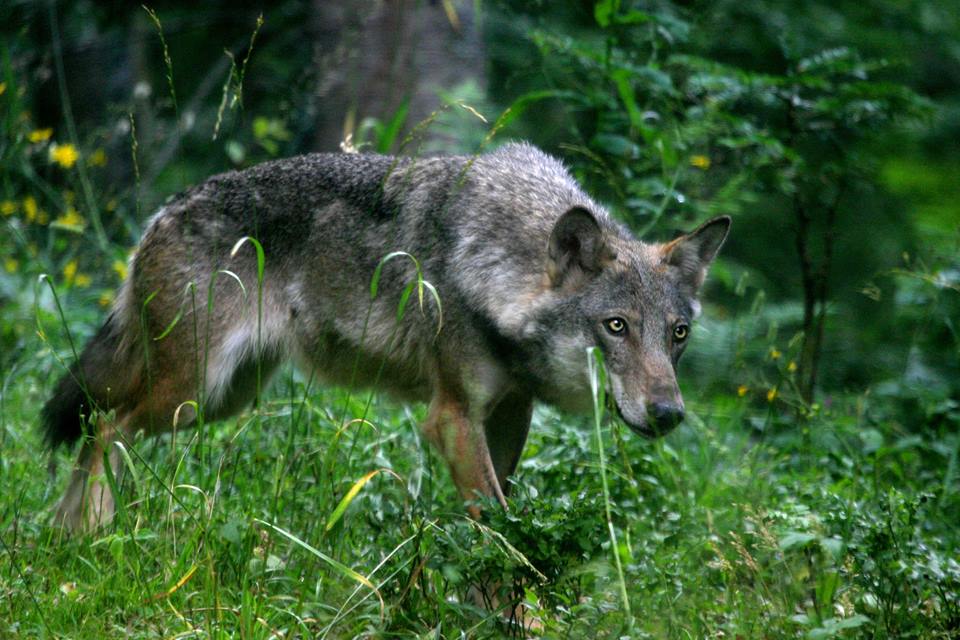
[
  {"x": 903, "y": 581},
  {"x": 767, "y": 514},
  {"x": 669, "y": 128}
]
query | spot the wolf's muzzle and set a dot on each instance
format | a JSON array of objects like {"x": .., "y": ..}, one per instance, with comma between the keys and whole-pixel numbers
[{"x": 662, "y": 417}]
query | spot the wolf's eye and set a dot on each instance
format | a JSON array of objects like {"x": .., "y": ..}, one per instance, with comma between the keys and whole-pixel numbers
[
  {"x": 680, "y": 332},
  {"x": 615, "y": 326}
]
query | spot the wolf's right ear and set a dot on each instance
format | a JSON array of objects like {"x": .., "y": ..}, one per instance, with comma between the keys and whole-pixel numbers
[
  {"x": 577, "y": 248},
  {"x": 692, "y": 254}
]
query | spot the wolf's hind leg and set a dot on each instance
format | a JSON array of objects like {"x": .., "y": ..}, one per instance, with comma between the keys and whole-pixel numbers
[{"x": 88, "y": 502}]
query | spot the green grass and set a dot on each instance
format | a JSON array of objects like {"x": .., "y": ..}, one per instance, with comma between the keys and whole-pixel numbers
[{"x": 742, "y": 523}]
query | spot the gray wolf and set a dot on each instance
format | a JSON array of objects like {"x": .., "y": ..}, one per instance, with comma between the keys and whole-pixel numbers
[{"x": 528, "y": 269}]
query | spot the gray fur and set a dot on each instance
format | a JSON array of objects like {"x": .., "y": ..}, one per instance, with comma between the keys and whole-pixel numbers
[{"x": 528, "y": 269}]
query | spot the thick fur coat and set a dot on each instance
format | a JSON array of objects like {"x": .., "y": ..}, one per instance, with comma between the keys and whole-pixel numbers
[{"x": 529, "y": 272}]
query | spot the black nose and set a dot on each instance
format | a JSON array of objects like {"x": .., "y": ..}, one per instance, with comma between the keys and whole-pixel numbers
[{"x": 664, "y": 416}]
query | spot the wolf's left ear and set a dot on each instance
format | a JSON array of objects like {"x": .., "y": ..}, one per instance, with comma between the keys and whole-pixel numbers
[
  {"x": 577, "y": 248},
  {"x": 693, "y": 253}
]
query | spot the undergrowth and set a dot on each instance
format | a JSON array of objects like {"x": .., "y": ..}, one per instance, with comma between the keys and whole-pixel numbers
[{"x": 720, "y": 532}]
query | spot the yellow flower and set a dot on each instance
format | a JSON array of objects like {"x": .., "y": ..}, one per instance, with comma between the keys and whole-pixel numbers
[
  {"x": 40, "y": 135},
  {"x": 120, "y": 267},
  {"x": 772, "y": 394},
  {"x": 83, "y": 280},
  {"x": 742, "y": 390},
  {"x": 3, "y": 88},
  {"x": 70, "y": 271},
  {"x": 792, "y": 366},
  {"x": 11, "y": 265},
  {"x": 71, "y": 218},
  {"x": 64, "y": 155},
  {"x": 98, "y": 158},
  {"x": 775, "y": 353},
  {"x": 43, "y": 217},
  {"x": 8, "y": 207},
  {"x": 700, "y": 162},
  {"x": 30, "y": 208},
  {"x": 105, "y": 299}
]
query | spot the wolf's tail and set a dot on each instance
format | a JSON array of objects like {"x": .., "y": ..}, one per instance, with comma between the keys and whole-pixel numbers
[{"x": 95, "y": 382}]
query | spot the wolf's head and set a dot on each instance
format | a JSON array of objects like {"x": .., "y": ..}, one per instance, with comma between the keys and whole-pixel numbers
[{"x": 634, "y": 301}]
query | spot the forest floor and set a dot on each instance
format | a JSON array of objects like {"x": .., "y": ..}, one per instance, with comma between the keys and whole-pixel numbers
[{"x": 749, "y": 521}]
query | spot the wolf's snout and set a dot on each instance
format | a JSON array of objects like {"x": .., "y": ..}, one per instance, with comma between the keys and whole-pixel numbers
[{"x": 664, "y": 416}]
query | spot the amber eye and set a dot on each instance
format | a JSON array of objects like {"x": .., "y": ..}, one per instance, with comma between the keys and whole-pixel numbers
[
  {"x": 680, "y": 332},
  {"x": 615, "y": 326}
]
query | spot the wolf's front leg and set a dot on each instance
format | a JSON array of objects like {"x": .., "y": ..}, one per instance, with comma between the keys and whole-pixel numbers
[
  {"x": 482, "y": 446},
  {"x": 506, "y": 432},
  {"x": 456, "y": 430}
]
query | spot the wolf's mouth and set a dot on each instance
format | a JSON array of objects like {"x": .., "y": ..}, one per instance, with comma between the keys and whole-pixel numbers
[{"x": 643, "y": 429}]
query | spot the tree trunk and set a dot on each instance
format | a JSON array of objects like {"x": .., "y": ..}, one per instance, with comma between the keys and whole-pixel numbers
[{"x": 374, "y": 56}]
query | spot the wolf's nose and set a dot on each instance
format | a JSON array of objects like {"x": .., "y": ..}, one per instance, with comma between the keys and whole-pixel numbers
[{"x": 665, "y": 416}]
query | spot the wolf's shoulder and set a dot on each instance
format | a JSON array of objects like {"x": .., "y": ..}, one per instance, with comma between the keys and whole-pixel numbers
[
  {"x": 323, "y": 169},
  {"x": 523, "y": 158}
]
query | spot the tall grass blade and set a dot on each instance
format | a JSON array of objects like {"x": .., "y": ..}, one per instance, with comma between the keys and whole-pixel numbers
[
  {"x": 598, "y": 386},
  {"x": 336, "y": 565},
  {"x": 92, "y": 209},
  {"x": 392, "y": 128},
  {"x": 348, "y": 498},
  {"x": 167, "y": 61}
]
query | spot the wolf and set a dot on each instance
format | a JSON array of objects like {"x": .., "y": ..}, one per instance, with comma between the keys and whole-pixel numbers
[{"x": 528, "y": 271}]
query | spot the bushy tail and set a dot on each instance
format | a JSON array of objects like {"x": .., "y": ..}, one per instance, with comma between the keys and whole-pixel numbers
[{"x": 89, "y": 384}]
